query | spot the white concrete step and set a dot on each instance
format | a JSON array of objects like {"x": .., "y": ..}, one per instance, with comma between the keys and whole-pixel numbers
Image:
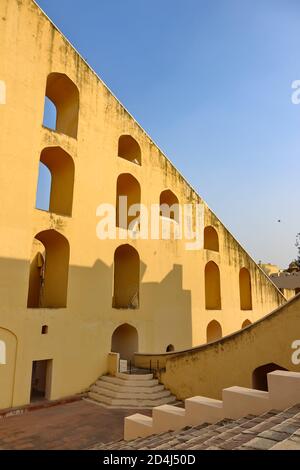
[
  {"x": 129, "y": 394},
  {"x": 238, "y": 402},
  {"x": 284, "y": 388},
  {"x": 116, "y": 387},
  {"x": 130, "y": 383},
  {"x": 142, "y": 422},
  {"x": 241, "y": 401},
  {"x": 132, "y": 403},
  {"x": 203, "y": 410},
  {"x": 168, "y": 418},
  {"x": 134, "y": 377}
]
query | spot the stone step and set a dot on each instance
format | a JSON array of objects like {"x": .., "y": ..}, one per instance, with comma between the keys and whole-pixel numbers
[
  {"x": 134, "y": 377},
  {"x": 278, "y": 430},
  {"x": 191, "y": 435},
  {"x": 124, "y": 388},
  {"x": 196, "y": 437},
  {"x": 203, "y": 409},
  {"x": 209, "y": 433},
  {"x": 269, "y": 438},
  {"x": 239, "y": 401},
  {"x": 168, "y": 418},
  {"x": 249, "y": 431},
  {"x": 230, "y": 437},
  {"x": 132, "y": 403},
  {"x": 131, "y": 394},
  {"x": 129, "y": 383},
  {"x": 144, "y": 423}
]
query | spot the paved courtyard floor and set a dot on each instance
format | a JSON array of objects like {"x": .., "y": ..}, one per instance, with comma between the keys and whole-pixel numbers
[{"x": 76, "y": 425}]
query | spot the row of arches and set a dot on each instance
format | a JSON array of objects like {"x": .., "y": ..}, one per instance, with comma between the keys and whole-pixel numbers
[
  {"x": 57, "y": 174},
  {"x": 214, "y": 330},
  {"x": 129, "y": 187},
  {"x": 61, "y": 114},
  {"x": 49, "y": 267},
  {"x": 213, "y": 287},
  {"x": 49, "y": 270}
]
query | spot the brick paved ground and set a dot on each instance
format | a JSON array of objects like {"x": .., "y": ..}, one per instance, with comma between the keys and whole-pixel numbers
[{"x": 75, "y": 425}]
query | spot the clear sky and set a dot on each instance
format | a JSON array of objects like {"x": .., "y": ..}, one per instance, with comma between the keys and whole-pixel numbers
[{"x": 210, "y": 81}]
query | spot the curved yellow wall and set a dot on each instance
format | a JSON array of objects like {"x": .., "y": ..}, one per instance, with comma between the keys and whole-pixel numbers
[{"x": 206, "y": 370}]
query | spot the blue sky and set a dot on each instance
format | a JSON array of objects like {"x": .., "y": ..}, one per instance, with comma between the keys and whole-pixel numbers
[{"x": 210, "y": 81}]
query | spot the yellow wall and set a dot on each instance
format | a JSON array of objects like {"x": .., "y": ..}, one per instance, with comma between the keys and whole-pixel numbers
[
  {"x": 172, "y": 301},
  {"x": 207, "y": 369}
]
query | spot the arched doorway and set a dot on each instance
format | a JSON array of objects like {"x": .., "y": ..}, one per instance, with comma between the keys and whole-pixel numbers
[
  {"x": 211, "y": 239},
  {"x": 129, "y": 187},
  {"x": 64, "y": 96},
  {"x": 58, "y": 169},
  {"x": 259, "y": 376},
  {"x": 213, "y": 331},
  {"x": 170, "y": 348},
  {"x": 245, "y": 289},
  {"x": 129, "y": 149},
  {"x": 126, "y": 278},
  {"x": 49, "y": 269},
  {"x": 125, "y": 341},
  {"x": 212, "y": 286}
]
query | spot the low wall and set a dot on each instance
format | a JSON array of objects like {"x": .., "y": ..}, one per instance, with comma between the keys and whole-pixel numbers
[{"x": 207, "y": 369}]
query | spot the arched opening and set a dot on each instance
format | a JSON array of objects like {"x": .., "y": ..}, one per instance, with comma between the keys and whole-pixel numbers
[
  {"x": 43, "y": 188},
  {"x": 213, "y": 331},
  {"x": 169, "y": 205},
  {"x": 129, "y": 149},
  {"x": 50, "y": 114},
  {"x": 259, "y": 375},
  {"x": 129, "y": 187},
  {"x": 59, "y": 193},
  {"x": 211, "y": 239},
  {"x": 246, "y": 323},
  {"x": 64, "y": 96},
  {"x": 245, "y": 289},
  {"x": 212, "y": 286},
  {"x": 170, "y": 348},
  {"x": 2, "y": 352},
  {"x": 125, "y": 341},
  {"x": 49, "y": 268},
  {"x": 126, "y": 277}
]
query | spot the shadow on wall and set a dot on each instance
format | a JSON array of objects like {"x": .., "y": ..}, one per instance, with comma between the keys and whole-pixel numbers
[
  {"x": 170, "y": 308},
  {"x": 163, "y": 317}
]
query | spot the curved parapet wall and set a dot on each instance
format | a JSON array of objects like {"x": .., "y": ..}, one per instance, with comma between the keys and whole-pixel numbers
[{"x": 207, "y": 369}]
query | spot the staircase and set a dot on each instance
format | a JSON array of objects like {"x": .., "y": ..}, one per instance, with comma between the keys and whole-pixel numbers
[
  {"x": 237, "y": 402},
  {"x": 130, "y": 391},
  {"x": 273, "y": 430}
]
